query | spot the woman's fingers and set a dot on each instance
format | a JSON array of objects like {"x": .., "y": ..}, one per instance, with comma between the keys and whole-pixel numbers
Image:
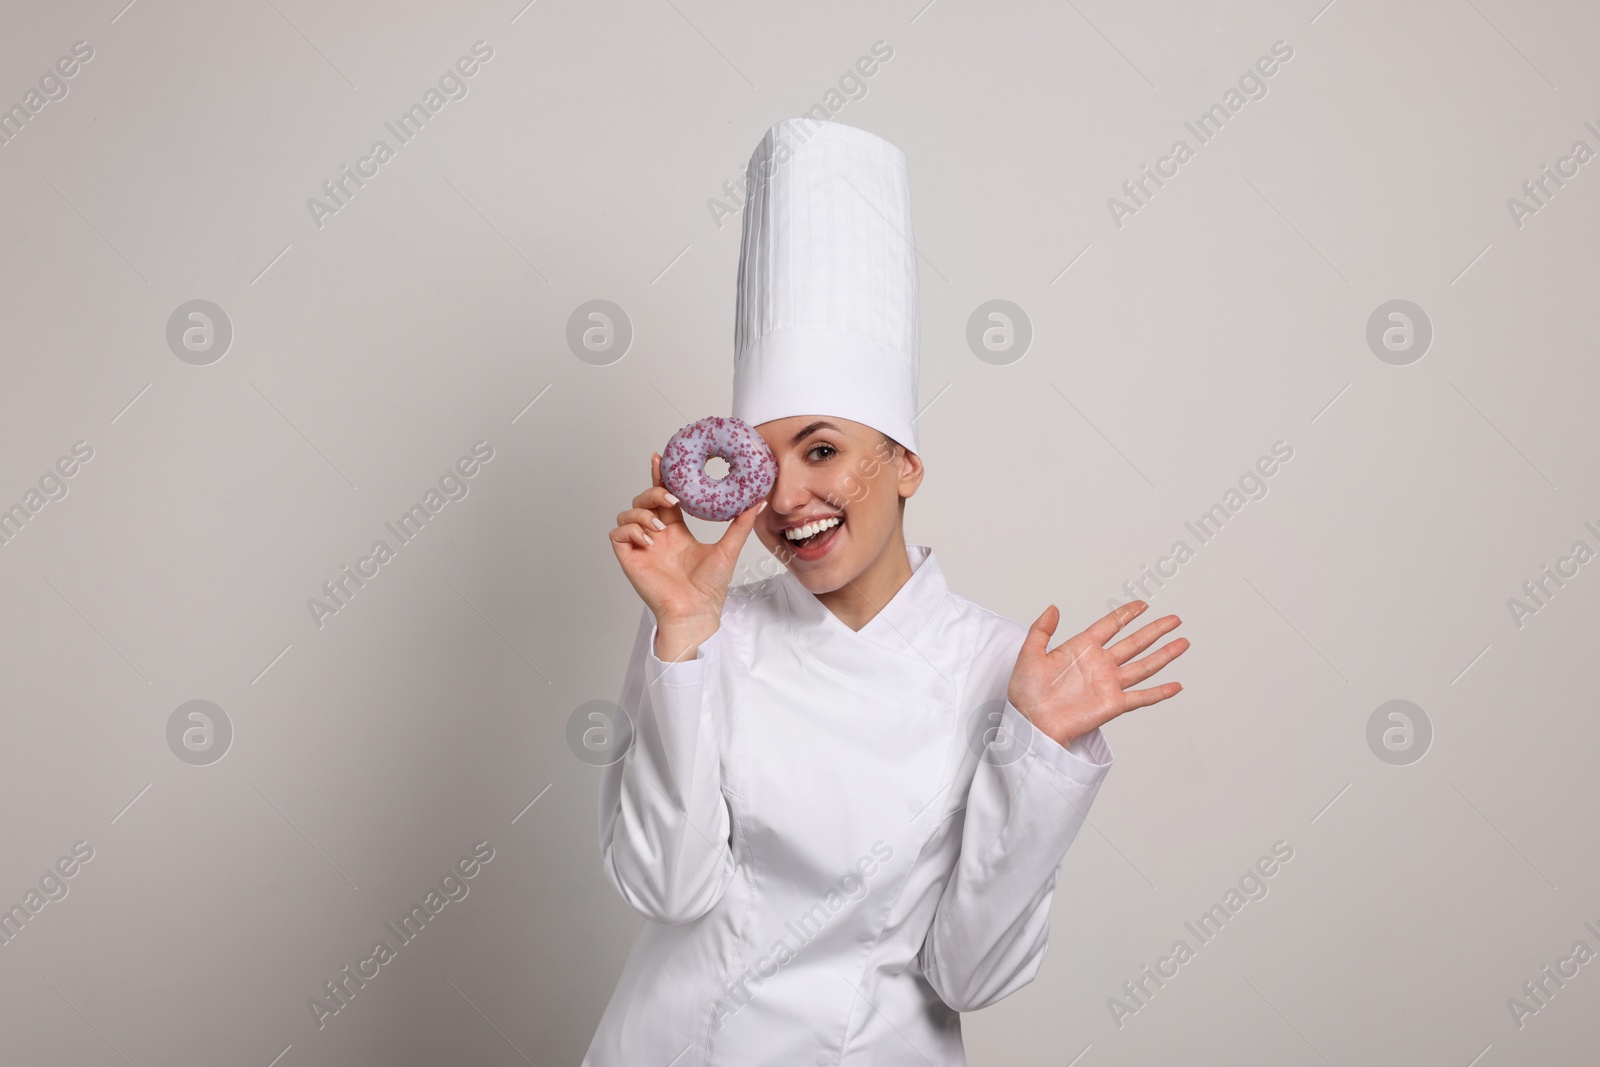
[
  {"x": 653, "y": 510},
  {"x": 1139, "y": 670},
  {"x": 657, "y": 497},
  {"x": 1106, "y": 627},
  {"x": 646, "y": 519},
  {"x": 1141, "y": 639},
  {"x": 738, "y": 531},
  {"x": 1098, "y": 633},
  {"x": 1037, "y": 640},
  {"x": 1143, "y": 698},
  {"x": 632, "y": 532}
]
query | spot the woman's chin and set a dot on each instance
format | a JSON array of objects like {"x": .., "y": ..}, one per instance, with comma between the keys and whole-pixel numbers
[
  {"x": 830, "y": 566},
  {"x": 825, "y": 575}
]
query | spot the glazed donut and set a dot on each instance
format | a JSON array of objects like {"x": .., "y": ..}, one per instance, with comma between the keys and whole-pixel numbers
[{"x": 752, "y": 468}]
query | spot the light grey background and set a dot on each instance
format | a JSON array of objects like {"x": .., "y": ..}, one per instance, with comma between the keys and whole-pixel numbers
[{"x": 368, "y": 354}]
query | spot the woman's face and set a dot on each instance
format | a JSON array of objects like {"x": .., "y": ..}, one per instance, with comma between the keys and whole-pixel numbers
[{"x": 834, "y": 469}]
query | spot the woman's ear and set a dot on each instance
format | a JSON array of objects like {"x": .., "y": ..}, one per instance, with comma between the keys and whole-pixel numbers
[{"x": 911, "y": 471}]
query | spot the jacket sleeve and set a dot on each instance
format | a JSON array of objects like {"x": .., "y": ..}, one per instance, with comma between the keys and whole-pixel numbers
[
  {"x": 664, "y": 824},
  {"x": 1027, "y": 799}
]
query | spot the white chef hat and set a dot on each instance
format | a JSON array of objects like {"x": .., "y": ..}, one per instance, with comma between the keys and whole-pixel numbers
[{"x": 827, "y": 315}]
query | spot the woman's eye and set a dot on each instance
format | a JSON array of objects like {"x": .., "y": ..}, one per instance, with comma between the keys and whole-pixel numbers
[{"x": 826, "y": 450}]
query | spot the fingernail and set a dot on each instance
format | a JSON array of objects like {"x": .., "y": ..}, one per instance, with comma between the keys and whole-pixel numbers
[
  {"x": 671, "y": 499},
  {"x": 762, "y": 508},
  {"x": 647, "y": 538},
  {"x": 659, "y": 524}
]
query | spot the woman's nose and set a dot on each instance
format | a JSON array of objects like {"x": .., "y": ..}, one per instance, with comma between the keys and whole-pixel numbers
[
  {"x": 789, "y": 492},
  {"x": 787, "y": 497}
]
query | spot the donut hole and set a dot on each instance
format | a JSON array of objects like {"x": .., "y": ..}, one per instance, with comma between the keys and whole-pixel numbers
[{"x": 716, "y": 468}]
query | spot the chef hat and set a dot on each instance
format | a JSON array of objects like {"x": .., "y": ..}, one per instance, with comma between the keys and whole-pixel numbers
[{"x": 826, "y": 322}]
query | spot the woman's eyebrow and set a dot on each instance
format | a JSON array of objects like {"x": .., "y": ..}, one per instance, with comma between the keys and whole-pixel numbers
[{"x": 813, "y": 428}]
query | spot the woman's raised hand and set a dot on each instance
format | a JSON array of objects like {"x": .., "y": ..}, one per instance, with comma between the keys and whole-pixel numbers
[
  {"x": 1080, "y": 684},
  {"x": 681, "y": 580}
]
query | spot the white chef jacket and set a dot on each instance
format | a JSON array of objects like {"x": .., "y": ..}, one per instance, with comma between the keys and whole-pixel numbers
[{"x": 829, "y": 868}]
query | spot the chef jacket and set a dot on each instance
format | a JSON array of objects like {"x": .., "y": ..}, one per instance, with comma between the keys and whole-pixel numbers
[{"x": 838, "y": 839}]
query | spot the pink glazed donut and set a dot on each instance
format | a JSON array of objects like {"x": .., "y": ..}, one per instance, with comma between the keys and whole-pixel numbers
[{"x": 752, "y": 468}]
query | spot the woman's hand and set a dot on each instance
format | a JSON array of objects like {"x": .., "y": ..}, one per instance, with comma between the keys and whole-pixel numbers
[
  {"x": 683, "y": 582},
  {"x": 1080, "y": 684}
]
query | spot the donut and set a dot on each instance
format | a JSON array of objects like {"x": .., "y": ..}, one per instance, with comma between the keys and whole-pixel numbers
[{"x": 752, "y": 468}]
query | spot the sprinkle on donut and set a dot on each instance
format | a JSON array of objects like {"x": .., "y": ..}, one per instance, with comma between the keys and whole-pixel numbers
[{"x": 752, "y": 468}]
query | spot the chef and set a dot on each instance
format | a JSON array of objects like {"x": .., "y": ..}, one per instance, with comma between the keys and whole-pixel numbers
[{"x": 849, "y": 790}]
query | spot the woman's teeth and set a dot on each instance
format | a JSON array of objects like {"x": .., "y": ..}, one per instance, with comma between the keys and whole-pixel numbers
[{"x": 811, "y": 529}]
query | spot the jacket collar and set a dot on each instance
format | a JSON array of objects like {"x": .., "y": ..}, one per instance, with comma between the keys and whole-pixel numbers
[{"x": 901, "y": 628}]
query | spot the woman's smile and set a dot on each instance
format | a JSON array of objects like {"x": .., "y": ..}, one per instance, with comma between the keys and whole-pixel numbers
[{"x": 820, "y": 534}]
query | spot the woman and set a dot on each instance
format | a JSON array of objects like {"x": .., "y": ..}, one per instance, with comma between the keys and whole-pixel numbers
[{"x": 849, "y": 790}]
